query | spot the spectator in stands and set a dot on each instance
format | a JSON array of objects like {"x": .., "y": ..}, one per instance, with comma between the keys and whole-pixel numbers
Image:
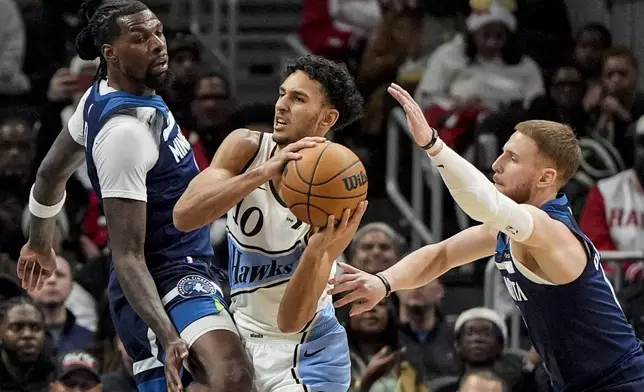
[
  {"x": 25, "y": 363},
  {"x": 375, "y": 247},
  {"x": 561, "y": 103},
  {"x": 17, "y": 147},
  {"x": 613, "y": 216},
  {"x": 483, "y": 67},
  {"x": 211, "y": 108},
  {"x": 61, "y": 323},
  {"x": 592, "y": 41},
  {"x": 480, "y": 338},
  {"x": 185, "y": 57},
  {"x": 378, "y": 361},
  {"x": 622, "y": 103},
  {"x": 338, "y": 30},
  {"x": 484, "y": 381},
  {"x": 121, "y": 380},
  {"x": 12, "y": 51},
  {"x": 9, "y": 286},
  {"x": 425, "y": 333},
  {"x": 77, "y": 371}
]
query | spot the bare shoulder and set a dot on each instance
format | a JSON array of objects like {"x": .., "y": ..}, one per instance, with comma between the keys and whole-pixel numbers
[
  {"x": 547, "y": 231},
  {"x": 239, "y": 147}
]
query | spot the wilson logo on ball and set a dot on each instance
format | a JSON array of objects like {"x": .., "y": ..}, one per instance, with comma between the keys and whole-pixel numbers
[{"x": 354, "y": 181}]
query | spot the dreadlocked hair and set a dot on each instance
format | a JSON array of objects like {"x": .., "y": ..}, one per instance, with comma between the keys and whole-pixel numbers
[
  {"x": 101, "y": 27},
  {"x": 10, "y": 303}
]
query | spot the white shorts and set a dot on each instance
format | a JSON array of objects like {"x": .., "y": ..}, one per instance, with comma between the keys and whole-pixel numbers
[{"x": 320, "y": 363}]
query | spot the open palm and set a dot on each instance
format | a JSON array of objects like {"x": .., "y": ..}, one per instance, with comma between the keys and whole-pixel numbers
[{"x": 420, "y": 129}]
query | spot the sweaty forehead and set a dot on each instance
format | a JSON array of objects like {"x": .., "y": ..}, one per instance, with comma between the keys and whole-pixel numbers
[{"x": 144, "y": 20}]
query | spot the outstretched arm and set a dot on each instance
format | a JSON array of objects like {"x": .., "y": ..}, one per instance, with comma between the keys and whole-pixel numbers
[
  {"x": 299, "y": 302},
  {"x": 416, "y": 269},
  {"x": 37, "y": 261},
  {"x": 551, "y": 243}
]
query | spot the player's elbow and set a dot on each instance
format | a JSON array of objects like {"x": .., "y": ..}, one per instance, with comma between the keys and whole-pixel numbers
[{"x": 181, "y": 218}]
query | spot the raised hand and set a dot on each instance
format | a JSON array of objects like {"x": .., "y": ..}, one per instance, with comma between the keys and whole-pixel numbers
[
  {"x": 420, "y": 129},
  {"x": 364, "y": 289}
]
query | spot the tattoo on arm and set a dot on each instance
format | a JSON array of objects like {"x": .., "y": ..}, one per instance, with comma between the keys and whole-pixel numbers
[
  {"x": 126, "y": 223},
  {"x": 64, "y": 157}
]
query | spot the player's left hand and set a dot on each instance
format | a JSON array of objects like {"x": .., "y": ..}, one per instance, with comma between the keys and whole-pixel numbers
[
  {"x": 175, "y": 352},
  {"x": 420, "y": 129},
  {"x": 35, "y": 267},
  {"x": 363, "y": 289},
  {"x": 325, "y": 237}
]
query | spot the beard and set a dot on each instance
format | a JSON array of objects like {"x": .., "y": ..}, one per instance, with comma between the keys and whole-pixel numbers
[{"x": 158, "y": 82}]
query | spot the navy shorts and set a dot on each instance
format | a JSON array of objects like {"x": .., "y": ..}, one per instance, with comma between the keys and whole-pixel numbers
[{"x": 194, "y": 301}]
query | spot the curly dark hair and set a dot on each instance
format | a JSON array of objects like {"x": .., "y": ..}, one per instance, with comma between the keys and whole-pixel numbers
[
  {"x": 101, "y": 27},
  {"x": 338, "y": 85}
]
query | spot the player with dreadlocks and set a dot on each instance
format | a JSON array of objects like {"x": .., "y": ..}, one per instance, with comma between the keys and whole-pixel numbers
[{"x": 165, "y": 300}]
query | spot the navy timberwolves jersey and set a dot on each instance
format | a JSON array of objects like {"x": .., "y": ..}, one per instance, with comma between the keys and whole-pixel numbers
[
  {"x": 578, "y": 328},
  {"x": 166, "y": 180}
]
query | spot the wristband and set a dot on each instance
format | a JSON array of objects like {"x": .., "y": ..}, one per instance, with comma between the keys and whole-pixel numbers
[
  {"x": 42, "y": 211},
  {"x": 386, "y": 283},
  {"x": 432, "y": 141}
]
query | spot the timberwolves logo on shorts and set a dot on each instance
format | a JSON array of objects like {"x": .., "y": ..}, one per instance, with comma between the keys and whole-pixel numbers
[{"x": 194, "y": 286}]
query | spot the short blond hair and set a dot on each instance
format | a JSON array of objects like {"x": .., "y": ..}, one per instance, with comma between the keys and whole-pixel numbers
[{"x": 556, "y": 142}]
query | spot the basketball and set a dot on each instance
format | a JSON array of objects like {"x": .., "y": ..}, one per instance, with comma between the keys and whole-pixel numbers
[{"x": 327, "y": 180}]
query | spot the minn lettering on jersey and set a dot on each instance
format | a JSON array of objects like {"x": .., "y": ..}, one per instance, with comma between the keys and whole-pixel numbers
[{"x": 504, "y": 263}]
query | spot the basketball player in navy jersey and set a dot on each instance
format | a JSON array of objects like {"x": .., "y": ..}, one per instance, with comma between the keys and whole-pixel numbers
[
  {"x": 277, "y": 271},
  {"x": 164, "y": 296},
  {"x": 549, "y": 266}
]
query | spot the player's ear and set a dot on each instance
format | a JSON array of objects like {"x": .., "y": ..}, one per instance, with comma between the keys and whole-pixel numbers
[
  {"x": 330, "y": 118},
  {"x": 548, "y": 177},
  {"x": 108, "y": 53}
]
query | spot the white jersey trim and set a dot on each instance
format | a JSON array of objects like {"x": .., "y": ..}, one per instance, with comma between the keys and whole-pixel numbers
[{"x": 523, "y": 270}]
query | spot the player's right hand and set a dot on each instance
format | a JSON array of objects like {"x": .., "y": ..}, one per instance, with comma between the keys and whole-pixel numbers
[
  {"x": 175, "y": 352},
  {"x": 275, "y": 165},
  {"x": 364, "y": 289},
  {"x": 35, "y": 267}
]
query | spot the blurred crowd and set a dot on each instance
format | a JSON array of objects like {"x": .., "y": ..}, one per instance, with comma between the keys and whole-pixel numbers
[{"x": 476, "y": 67}]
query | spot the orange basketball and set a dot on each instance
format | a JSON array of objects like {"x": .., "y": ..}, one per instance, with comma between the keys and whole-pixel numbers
[{"x": 327, "y": 180}]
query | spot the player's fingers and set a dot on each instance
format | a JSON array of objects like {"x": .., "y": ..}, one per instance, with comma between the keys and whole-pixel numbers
[
  {"x": 397, "y": 96},
  {"x": 316, "y": 139},
  {"x": 357, "y": 215},
  {"x": 172, "y": 375},
  {"x": 350, "y": 297},
  {"x": 20, "y": 268},
  {"x": 330, "y": 222},
  {"x": 360, "y": 308},
  {"x": 402, "y": 92},
  {"x": 343, "y": 287},
  {"x": 292, "y": 156},
  {"x": 300, "y": 145},
  {"x": 349, "y": 268},
  {"x": 32, "y": 275},
  {"x": 344, "y": 222},
  {"x": 40, "y": 281},
  {"x": 336, "y": 280}
]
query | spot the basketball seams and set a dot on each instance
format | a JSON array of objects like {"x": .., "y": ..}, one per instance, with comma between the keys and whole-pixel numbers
[
  {"x": 320, "y": 196},
  {"x": 315, "y": 168},
  {"x": 337, "y": 174}
]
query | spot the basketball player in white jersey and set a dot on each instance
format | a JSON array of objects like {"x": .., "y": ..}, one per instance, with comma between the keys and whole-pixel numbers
[
  {"x": 278, "y": 283},
  {"x": 551, "y": 269}
]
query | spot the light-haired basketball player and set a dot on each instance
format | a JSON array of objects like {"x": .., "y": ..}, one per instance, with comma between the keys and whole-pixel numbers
[
  {"x": 278, "y": 283},
  {"x": 550, "y": 267}
]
